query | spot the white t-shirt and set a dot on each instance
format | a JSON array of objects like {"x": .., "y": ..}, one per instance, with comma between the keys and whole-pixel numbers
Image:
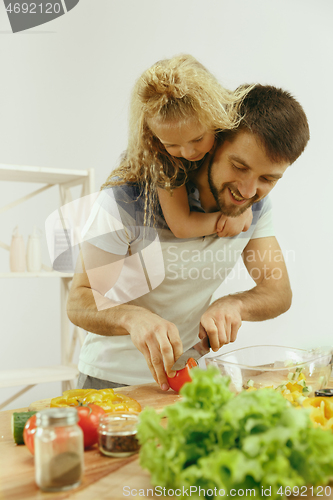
[{"x": 175, "y": 278}]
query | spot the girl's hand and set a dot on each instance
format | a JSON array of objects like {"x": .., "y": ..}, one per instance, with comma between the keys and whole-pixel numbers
[{"x": 231, "y": 226}]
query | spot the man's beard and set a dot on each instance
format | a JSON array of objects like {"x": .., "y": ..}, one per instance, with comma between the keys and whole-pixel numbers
[{"x": 230, "y": 210}]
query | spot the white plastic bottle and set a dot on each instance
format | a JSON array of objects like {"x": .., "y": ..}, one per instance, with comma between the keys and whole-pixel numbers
[
  {"x": 17, "y": 253},
  {"x": 34, "y": 252}
]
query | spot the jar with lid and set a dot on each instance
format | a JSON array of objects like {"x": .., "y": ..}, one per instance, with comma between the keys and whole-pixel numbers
[
  {"x": 117, "y": 434},
  {"x": 58, "y": 449}
]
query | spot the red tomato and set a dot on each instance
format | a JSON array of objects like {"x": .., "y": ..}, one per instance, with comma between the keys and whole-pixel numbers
[
  {"x": 29, "y": 433},
  {"x": 88, "y": 421},
  {"x": 182, "y": 376}
]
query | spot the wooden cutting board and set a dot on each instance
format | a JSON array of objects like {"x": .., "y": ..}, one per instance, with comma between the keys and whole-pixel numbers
[
  {"x": 146, "y": 394},
  {"x": 17, "y": 464}
]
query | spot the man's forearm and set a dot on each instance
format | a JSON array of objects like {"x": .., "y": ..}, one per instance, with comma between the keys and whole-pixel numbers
[
  {"x": 108, "y": 319},
  {"x": 272, "y": 294},
  {"x": 265, "y": 301},
  {"x": 157, "y": 339}
]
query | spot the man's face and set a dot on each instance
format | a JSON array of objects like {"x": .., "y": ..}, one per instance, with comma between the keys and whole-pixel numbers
[{"x": 241, "y": 174}]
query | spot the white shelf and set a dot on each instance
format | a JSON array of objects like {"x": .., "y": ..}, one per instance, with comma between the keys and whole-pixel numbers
[
  {"x": 66, "y": 372},
  {"x": 40, "y": 174},
  {"x": 27, "y": 376},
  {"x": 52, "y": 274}
]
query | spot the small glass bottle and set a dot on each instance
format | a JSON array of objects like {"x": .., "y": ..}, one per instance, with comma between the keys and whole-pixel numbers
[
  {"x": 117, "y": 434},
  {"x": 34, "y": 255},
  {"x": 58, "y": 449},
  {"x": 17, "y": 252}
]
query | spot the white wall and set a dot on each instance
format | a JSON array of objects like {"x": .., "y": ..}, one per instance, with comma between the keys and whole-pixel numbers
[{"x": 64, "y": 92}]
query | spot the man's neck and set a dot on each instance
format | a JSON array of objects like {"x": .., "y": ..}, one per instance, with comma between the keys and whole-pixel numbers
[{"x": 200, "y": 179}]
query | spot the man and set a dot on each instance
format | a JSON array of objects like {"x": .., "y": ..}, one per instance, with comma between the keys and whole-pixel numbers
[{"x": 146, "y": 295}]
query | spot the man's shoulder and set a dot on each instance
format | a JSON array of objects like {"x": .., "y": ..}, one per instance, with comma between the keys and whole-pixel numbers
[
  {"x": 125, "y": 191},
  {"x": 119, "y": 202},
  {"x": 133, "y": 203},
  {"x": 260, "y": 209},
  {"x": 262, "y": 223},
  {"x": 127, "y": 196},
  {"x": 262, "y": 206}
]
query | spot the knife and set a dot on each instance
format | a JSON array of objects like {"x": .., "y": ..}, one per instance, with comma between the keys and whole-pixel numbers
[{"x": 196, "y": 352}]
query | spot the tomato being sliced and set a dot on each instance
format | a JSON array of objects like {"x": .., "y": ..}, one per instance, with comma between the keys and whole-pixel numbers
[{"x": 182, "y": 376}]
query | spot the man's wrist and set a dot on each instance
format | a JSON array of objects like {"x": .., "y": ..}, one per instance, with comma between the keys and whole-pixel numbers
[
  {"x": 233, "y": 301},
  {"x": 125, "y": 315}
]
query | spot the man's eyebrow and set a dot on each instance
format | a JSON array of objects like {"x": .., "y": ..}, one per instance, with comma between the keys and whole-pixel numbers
[
  {"x": 239, "y": 160},
  {"x": 242, "y": 162}
]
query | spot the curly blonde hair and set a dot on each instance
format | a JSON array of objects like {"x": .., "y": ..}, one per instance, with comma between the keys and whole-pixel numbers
[{"x": 177, "y": 89}]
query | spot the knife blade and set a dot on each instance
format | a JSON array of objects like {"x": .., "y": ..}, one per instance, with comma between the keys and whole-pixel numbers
[{"x": 196, "y": 352}]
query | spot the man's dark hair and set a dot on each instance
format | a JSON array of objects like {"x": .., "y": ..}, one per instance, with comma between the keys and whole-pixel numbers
[{"x": 277, "y": 120}]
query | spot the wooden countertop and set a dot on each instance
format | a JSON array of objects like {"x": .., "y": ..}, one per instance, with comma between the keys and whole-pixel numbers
[{"x": 104, "y": 478}]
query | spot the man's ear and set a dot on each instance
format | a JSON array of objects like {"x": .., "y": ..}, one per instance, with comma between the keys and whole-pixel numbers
[
  {"x": 226, "y": 135},
  {"x": 213, "y": 149}
]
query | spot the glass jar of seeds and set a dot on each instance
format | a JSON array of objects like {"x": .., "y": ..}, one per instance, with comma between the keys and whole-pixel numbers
[
  {"x": 58, "y": 449},
  {"x": 117, "y": 434}
]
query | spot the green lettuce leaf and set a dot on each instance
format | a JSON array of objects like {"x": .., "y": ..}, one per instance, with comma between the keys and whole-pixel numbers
[{"x": 214, "y": 439}]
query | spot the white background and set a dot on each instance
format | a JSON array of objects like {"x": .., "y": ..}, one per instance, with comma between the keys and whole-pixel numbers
[{"x": 64, "y": 94}]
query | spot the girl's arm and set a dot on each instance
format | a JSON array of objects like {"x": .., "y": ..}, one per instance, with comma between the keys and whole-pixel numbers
[
  {"x": 231, "y": 226},
  {"x": 182, "y": 222},
  {"x": 186, "y": 224}
]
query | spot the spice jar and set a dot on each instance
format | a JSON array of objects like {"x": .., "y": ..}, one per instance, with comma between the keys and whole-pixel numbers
[
  {"x": 117, "y": 434},
  {"x": 58, "y": 449}
]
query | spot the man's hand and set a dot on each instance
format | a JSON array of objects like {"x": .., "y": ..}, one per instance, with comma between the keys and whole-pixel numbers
[
  {"x": 158, "y": 340},
  {"x": 270, "y": 296},
  {"x": 221, "y": 322}
]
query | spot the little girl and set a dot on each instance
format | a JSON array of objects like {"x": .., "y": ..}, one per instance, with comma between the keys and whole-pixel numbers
[
  {"x": 194, "y": 143},
  {"x": 177, "y": 108}
]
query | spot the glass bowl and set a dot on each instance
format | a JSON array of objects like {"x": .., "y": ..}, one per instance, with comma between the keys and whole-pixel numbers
[{"x": 273, "y": 366}]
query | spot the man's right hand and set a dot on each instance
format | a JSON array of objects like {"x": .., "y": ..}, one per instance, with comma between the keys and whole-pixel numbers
[{"x": 158, "y": 340}]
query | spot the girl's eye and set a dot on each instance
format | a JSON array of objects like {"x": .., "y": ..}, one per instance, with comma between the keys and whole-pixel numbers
[{"x": 198, "y": 140}]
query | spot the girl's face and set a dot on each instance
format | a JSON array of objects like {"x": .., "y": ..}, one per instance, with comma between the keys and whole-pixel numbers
[{"x": 189, "y": 140}]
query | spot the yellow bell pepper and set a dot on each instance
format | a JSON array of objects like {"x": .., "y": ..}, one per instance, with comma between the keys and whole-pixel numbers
[
  {"x": 105, "y": 398},
  {"x": 321, "y": 411}
]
